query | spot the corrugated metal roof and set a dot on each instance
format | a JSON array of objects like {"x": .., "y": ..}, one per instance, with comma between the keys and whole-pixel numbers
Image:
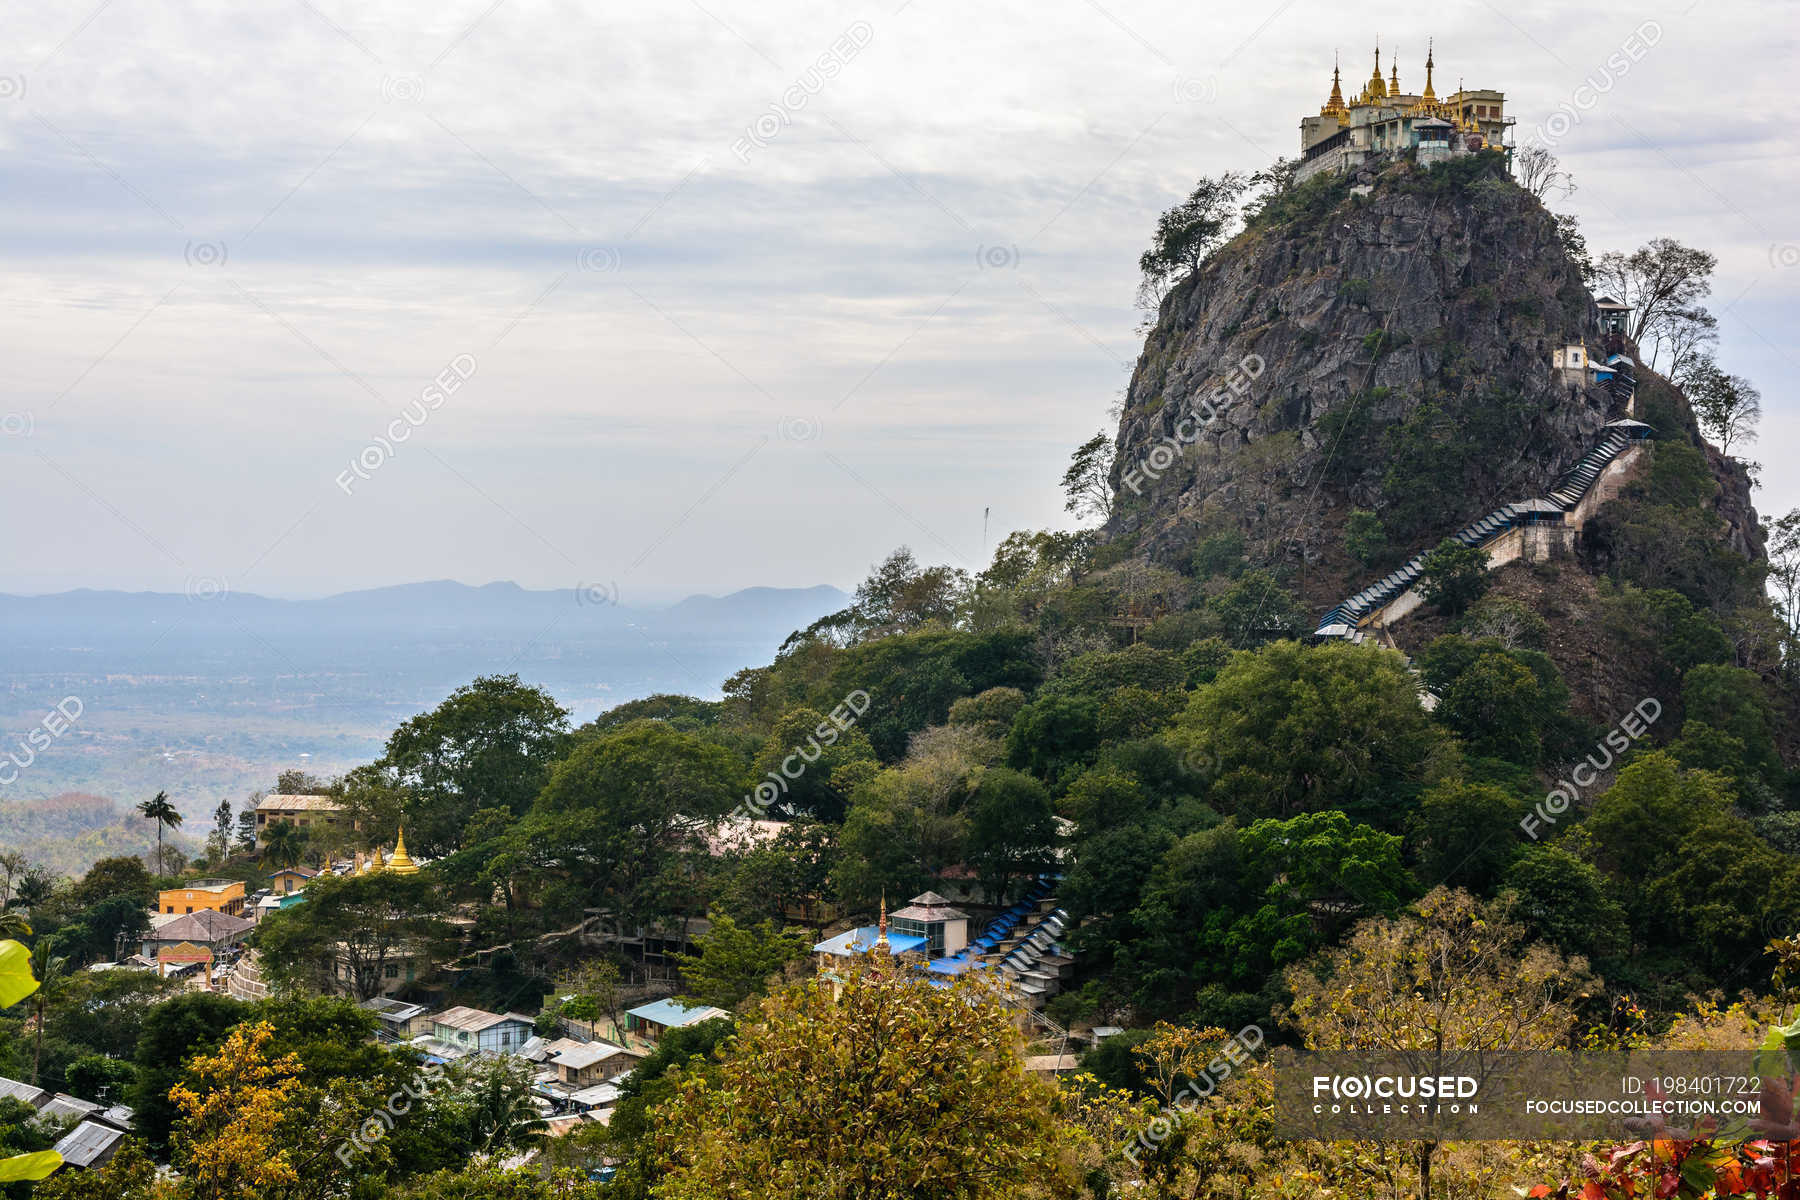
[
  {"x": 89, "y": 1144},
  {"x": 675, "y": 1015},
  {"x": 37, "y": 1097}
]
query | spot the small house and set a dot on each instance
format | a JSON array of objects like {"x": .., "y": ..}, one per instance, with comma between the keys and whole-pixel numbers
[
  {"x": 289, "y": 880},
  {"x": 592, "y": 1063},
  {"x": 398, "y": 1022},
  {"x": 486, "y": 1032},
  {"x": 654, "y": 1020}
]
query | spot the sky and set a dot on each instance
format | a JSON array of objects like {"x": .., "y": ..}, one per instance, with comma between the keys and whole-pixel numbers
[{"x": 692, "y": 296}]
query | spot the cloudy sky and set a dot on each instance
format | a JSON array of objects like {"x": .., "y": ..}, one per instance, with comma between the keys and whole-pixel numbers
[{"x": 744, "y": 293}]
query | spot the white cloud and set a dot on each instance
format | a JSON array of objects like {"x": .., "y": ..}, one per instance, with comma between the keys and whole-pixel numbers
[{"x": 393, "y": 185}]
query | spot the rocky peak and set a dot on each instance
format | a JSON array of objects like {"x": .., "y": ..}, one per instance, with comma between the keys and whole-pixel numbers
[{"x": 1381, "y": 341}]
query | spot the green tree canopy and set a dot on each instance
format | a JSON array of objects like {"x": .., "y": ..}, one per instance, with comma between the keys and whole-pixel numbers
[{"x": 1290, "y": 728}]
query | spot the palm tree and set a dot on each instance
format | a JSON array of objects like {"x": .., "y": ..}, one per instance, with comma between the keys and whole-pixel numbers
[
  {"x": 51, "y": 971},
  {"x": 283, "y": 843},
  {"x": 12, "y": 865},
  {"x": 158, "y": 809}
]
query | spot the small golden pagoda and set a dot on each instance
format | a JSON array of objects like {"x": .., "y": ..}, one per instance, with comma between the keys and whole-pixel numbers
[{"x": 402, "y": 863}]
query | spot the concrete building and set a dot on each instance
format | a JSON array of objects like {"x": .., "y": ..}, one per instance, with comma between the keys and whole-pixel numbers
[
  {"x": 218, "y": 895},
  {"x": 1384, "y": 120},
  {"x": 289, "y": 880},
  {"x": 308, "y": 812}
]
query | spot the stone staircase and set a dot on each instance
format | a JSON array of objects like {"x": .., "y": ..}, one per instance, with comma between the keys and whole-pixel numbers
[{"x": 1350, "y": 619}]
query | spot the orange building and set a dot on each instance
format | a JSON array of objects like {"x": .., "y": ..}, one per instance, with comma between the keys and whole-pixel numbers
[{"x": 217, "y": 895}]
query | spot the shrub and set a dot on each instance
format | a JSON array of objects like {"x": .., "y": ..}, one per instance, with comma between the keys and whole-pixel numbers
[{"x": 1455, "y": 576}]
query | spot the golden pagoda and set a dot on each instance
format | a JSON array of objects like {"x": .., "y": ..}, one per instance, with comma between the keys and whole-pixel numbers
[
  {"x": 1334, "y": 105},
  {"x": 1375, "y": 90},
  {"x": 402, "y": 863},
  {"x": 375, "y": 863}
]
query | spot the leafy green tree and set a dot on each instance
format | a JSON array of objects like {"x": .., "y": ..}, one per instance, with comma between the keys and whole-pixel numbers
[
  {"x": 1365, "y": 538},
  {"x": 1678, "y": 858},
  {"x": 352, "y": 928},
  {"x": 171, "y": 1032},
  {"x": 1565, "y": 901},
  {"x": 1087, "y": 484},
  {"x": 620, "y": 812},
  {"x": 912, "y": 680},
  {"x": 736, "y": 961},
  {"x": 53, "y": 976},
  {"x": 1187, "y": 233},
  {"x": 1053, "y": 737},
  {"x": 992, "y": 712},
  {"x": 1290, "y": 728},
  {"x": 792, "y": 874},
  {"x": 1255, "y": 609},
  {"x": 808, "y": 751},
  {"x": 109, "y": 877},
  {"x": 1012, "y": 831},
  {"x": 1732, "y": 700},
  {"x": 1466, "y": 834},
  {"x": 489, "y": 744},
  {"x": 1313, "y": 874},
  {"x": 904, "y": 826},
  {"x": 161, "y": 810},
  {"x": 218, "y": 842},
  {"x": 1497, "y": 706},
  {"x": 1455, "y": 576},
  {"x": 872, "y": 1058},
  {"x": 1727, "y": 406}
]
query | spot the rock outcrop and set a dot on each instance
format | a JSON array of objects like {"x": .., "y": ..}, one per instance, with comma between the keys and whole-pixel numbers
[{"x": 1390, "y": 340}]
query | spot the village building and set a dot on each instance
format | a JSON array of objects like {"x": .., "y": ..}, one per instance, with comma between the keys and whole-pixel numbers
[
  {"x": 290, "y": 880},
  {"x": 218, "y": 895},
  {"x": 1384, "y": 120},
  {"x": 651, "y": 1021},
  {"x": 307, "y": 812},
  {"x": 481, "y": 1032},
  {"x": 586, "y": 1064},
  {"x": 191, "y": 945},
  {"x": 398, "y": 1021}
]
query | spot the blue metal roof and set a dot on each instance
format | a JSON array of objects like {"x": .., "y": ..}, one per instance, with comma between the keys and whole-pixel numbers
[{"x": 861, "y": 941}]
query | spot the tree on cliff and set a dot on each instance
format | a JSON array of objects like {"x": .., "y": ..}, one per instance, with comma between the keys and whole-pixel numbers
[
  {"x": 1661, "y": 281},
  {"x": 1187, "y": 233},
  {"x": 1087, "y": 484},
  {"x": 1728, "y": 406}
]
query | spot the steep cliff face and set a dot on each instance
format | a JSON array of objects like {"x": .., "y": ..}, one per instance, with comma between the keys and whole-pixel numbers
[{"x": 1381, "y": 342}]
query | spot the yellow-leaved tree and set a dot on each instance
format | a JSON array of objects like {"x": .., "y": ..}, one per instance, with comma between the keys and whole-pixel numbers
[
  {"x": 875, "y": 1085},
  {"x": 227, "y": 1142}
]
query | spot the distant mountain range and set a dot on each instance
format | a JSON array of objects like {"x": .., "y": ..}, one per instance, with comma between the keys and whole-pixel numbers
[
  {"x": 438, "y": 604},
  {"x": 209, "y": 695}
]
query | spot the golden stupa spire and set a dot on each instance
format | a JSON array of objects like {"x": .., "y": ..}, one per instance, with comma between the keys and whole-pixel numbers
[
  {"x": 1334, "y": 106},
  {"x": 881, "y": 927},
  {"x": 1377, "y": 90},
  {"x": 1429, "y": 94},
  {"x": 375, "y": 863},
  {"x": 402, "y": 863},
  {"x": 1394, "y": 85}
]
